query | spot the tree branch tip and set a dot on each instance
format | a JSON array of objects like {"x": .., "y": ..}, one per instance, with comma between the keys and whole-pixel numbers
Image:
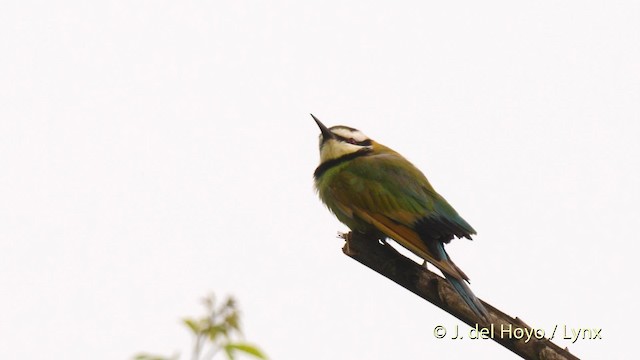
[{"x": 390, "y": 263}]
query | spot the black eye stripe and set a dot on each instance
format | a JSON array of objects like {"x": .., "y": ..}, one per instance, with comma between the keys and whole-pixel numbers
[{"x": 366, "y": 142}]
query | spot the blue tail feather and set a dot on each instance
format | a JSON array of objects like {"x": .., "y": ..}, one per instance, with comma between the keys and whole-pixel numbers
[
  {"x": 461, "y": 286},
  {"x": 467, "y": 295}
]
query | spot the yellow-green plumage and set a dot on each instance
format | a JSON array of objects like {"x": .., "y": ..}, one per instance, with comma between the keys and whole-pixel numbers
[{"x": 374, "y": 190}]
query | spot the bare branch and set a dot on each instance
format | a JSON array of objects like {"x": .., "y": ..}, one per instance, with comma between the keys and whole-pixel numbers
[{"x": 385, "y": 260}]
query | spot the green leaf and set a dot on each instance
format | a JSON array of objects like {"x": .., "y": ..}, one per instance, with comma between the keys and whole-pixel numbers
[
  {"x": 247, "y": 349},
  {"x": 232, "y": 321},
  {"x": 214, "y": 331},
  {"x": 231, "y": 303},
  {"x": 228, "y": 350},
  {"x": 193, "y": 325},
  {"x": 149, "y": 357}
]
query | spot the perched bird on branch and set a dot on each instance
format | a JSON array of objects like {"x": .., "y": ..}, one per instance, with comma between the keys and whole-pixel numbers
[{"x": 377, "y": 192}]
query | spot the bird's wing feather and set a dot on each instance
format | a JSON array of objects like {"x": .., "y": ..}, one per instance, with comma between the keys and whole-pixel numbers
[
  {"x": 389, "y": 184},
  {"x": 388, "y": 192},
  {"x": 408, "y": 238}
]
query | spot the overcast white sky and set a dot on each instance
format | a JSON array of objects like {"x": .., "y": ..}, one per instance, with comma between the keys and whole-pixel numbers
[{"x": 152, "y": 152}]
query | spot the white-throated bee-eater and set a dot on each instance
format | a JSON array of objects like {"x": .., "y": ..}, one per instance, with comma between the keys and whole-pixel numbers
[{"x": 377, "y": 192}]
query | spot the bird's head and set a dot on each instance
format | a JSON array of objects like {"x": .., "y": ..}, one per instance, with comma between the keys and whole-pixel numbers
[{"x": 339, "y": 140}]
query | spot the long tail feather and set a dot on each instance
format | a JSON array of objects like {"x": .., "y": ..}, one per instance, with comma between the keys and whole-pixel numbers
[
  {"x": 467, "y": 295},
  {"x": 460, "y": 285}
]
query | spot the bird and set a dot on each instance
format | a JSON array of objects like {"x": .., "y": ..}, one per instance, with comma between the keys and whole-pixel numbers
[{"x": 376, "y": 192}]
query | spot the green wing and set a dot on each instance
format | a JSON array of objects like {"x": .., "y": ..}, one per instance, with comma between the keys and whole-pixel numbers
[
  {"x": 388, "y": 185},
  {"x": 388, "y": 193}
]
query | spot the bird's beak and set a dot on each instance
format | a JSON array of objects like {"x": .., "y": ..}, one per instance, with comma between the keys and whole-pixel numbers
[{"x": 326, "y": 133}]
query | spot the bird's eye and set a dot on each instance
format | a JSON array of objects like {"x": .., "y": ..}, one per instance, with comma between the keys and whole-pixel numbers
[{"x": 351, "y": 141}]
